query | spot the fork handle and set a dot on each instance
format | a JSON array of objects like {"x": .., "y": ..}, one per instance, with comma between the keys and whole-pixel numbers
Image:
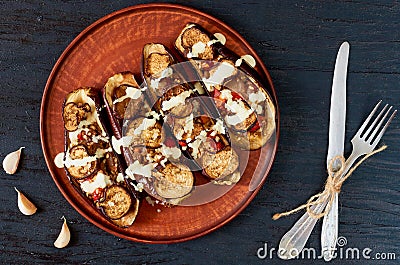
[
  {"x": 293, "y": 242},
  {"x": 330, "y": 224}
]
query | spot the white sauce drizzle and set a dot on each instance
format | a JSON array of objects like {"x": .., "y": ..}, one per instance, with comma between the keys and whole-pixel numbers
[
  {"x": 197, "y": 48},
  {"x": 59, "y": 160},
  {"x": 93, "y": 116},
  {"x": 202, "y": 137},
  {"x": 153, "y": 114},
  {"x": 173, "y": 152},
  {"x": 218, "y": 127},
  {"x": 256, "y": 98},
  {"x": 154, "y": 82},
  {"x": 175, "y": 101},
  {"x": 236, "y": 107},
  {"x": 68, "y": 162},
  {"x": 131, "y": 92},
  {"x": 241, "y": 113},
  {"x": 122, "y": 142},
  {"x": 248, "y": 59},
  {"x": 146, "y": 123},
  {"x": 139, "y": 187},
  {"x": 98, "y": 181},
  {"x": 139, "y": 169},
  {"x": 223, "y": 71},
  {"x": 120, "y": 177}
]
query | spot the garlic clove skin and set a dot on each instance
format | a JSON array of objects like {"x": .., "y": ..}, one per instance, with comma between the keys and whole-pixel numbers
[
  {"x": 11, "y": 161},
  {"x": 24, "y": 204},
  {"x": 64, "y": 236}
]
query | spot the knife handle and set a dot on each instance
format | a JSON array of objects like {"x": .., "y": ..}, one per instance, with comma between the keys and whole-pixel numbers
[
  {"x": 329, "y": 232},
  {"x": 330, "y": 224}
]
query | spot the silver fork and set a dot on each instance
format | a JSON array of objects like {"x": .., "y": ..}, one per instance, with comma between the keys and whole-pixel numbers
[
  {"x": 293, "y": 242},
  {"x": 363, "y": 142}
]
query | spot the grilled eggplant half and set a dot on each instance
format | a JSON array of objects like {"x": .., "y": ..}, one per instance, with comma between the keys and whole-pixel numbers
[
  {"x": 250, "y": 115},
  {"x": 125, "y": 98},
  {"x": 166, "y": 86},
  {"x": 143, "y": 142},
  {"x": 90, "y": 163},
  {"x": 195, "y": 133}
]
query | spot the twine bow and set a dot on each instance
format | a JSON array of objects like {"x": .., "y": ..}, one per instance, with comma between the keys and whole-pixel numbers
[{"x": 333, "y": 185}]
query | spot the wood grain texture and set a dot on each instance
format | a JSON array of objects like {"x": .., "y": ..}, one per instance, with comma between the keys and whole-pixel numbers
[{"x": 298, "y": 41}]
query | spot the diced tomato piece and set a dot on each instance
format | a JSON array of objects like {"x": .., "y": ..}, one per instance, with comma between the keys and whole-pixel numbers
[
  {"x": 216, "y": 93},
  {"x": 219, "y": 145},
  {"x": 256, "y": 126},
  {"x": 236, "y": 96},
  {"x": 182, "y": 143},
  {"x": 80, "y": 136},
  {"x": 97, "y": 194}
]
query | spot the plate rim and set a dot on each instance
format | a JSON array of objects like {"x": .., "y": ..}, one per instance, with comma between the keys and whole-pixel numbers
[{"x": 59, "y": 63}]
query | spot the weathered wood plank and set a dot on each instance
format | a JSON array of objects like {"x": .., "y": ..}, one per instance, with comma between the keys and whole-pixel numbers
[{"x": 298, "y": 41}]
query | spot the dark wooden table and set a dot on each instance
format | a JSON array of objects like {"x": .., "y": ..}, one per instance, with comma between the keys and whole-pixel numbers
[{"x": 298, "y": 41}]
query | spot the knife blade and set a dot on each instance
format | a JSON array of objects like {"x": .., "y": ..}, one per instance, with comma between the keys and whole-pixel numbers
[
  {"x": 337, "y": 121},
  {"x": 337, "y": 116}
]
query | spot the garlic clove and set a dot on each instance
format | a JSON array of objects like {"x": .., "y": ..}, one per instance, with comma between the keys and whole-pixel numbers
[
  {"x": 11, "y": 161},
  {"x": 24, "y": 204},
  {"x": 64, "y": 236}
]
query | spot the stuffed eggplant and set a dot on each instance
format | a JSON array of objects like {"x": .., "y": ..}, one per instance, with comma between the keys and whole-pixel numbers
[
  {"x": 198, "y": 134},
  {"x": 152, "y": 157},
  {"x": 240, "y": 97},
  {"x": 167, "y": 87},
  {"x": 125, "y": 98},
  {"x": 90, "y": 163}
]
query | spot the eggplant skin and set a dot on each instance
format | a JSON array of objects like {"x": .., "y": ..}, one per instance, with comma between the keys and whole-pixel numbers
[
  {"x": 173, "y": 181},
  {"x": 116, "y": 201}
]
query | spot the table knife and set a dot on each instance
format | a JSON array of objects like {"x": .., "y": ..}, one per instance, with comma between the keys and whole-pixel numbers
[{"x": 337, "y": 120}]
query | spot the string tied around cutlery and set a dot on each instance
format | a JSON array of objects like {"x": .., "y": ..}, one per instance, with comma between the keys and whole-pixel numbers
[{"x": 333, "y": 185}]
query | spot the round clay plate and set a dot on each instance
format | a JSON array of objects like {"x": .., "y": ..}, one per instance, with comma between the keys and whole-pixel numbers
[{"x": 114, "y": 44}]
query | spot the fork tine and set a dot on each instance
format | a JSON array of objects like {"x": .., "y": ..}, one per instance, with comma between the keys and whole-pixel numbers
[
  {"x": 378, "y": 138},
  {"x": 367, "y": 119},
  {"x": 367, "y": 134},
  {"x": 376, "y": 128}
]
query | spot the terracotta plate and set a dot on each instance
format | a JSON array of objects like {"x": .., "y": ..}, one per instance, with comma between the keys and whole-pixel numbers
[{"x": 113, "y": 44}]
